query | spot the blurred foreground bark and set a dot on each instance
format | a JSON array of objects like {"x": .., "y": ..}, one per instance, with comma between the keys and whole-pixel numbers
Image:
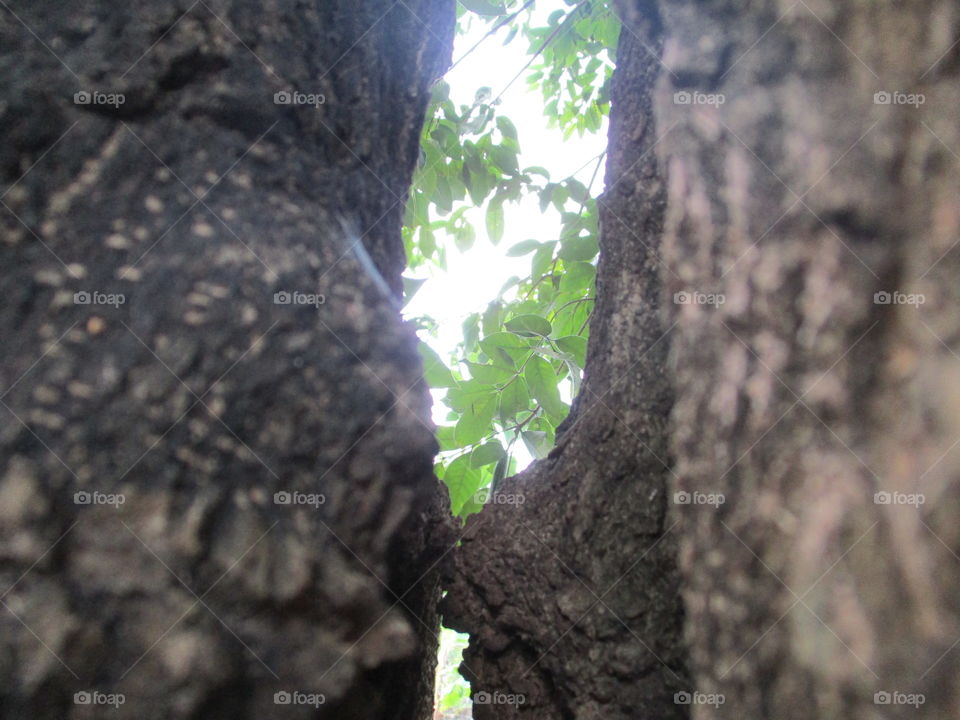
[
  {"x": 217, "y": 497},
  {"x": 811, "y": 269}
]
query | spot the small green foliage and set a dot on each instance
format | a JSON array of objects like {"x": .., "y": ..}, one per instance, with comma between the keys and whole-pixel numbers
[{"x": 524, "y": 353}]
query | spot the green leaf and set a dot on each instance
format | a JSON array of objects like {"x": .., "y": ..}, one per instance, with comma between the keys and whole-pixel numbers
[
  {"x": 471, "y": 332},
  {"x": 546, "y": 195},
  {"x": 445, "y": 436},
  {"x": 529, "y": 326},
  {"x": 505, "y": 159},
  {"x": 541, "y": 260},
  {"x": 574, "y": 346},
  {"x": 428, "y": 242},
  {"x": 559, "y": 197},
  {"x": 523, "y": 248},
  {"x": 506, "y": 127},
  {"x": 512, "y": 281},
  {"x": 505, "y": 340},
  {"x": 578, "y": 191},
  {"x": 443, "y": 198},
  {"x": 579, "y": 248},
  {"x": 487, "y": 454},
  {"x": 436, "y": 373},
  {"x": 476, "y": 421},
  {"x": 464, "y": 236},
  {"x": 495, "y": 222},
  {"x": 514, "y": 398},
  {"x": 490, "y": 374},
  {"x": 491, "y": 318},
  {"x": 462, "y": 481},
  {"x": 482, "y": 7},
  {"x": 467, "y": 393},
  {"x": 577, "y": 277},
  {"x": 542, "y": 382},
  {"x": 537, "y": 442},
  {"x": 505, "y": 349}
]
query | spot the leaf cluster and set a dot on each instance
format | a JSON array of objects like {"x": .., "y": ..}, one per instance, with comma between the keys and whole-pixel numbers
[{"x": 521, "y": 358}]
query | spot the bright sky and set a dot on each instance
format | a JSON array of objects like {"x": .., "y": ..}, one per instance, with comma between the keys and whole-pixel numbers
[{"x": 474, "y": 278}]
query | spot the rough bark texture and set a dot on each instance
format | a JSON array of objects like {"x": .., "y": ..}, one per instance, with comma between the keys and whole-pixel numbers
[
  {"x": 800, "y": 397},
  {"x": 200, "y": 397},
  {"x": 571, "y": 598}
]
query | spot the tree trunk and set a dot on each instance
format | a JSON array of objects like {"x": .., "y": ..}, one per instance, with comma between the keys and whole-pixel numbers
[
  {"x": 571, "y": 598},
  {"x": 820, "y": 413},
  {"x": 167, "y": 346}
]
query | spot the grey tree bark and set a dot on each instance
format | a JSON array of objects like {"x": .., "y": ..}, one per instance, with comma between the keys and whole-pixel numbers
[
  {"x": 166, "y": 345},
  {"x": 819, "y": 399},
  {"x": 572, "y": 598}
]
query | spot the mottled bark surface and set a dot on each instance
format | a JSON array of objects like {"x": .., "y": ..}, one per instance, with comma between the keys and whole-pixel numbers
[
  {"x": 571, "y": 598},
  {"x": 801, "y": 397},
  {"x": 200, "y": 396}
]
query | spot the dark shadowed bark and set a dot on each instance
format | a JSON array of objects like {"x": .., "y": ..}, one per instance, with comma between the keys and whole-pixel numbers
[
  {"x": 571, "y": 598},
  {"x": 202, "y": 394},
  {"x": 819, "y": 409}
]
